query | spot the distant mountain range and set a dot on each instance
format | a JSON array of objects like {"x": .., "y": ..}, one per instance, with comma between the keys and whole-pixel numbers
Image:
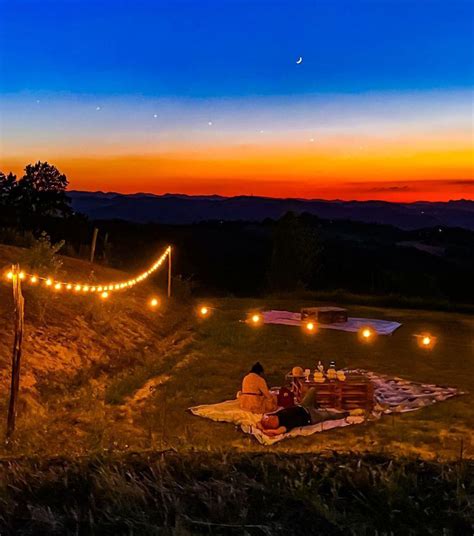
[{"x": 185, "y": 209}]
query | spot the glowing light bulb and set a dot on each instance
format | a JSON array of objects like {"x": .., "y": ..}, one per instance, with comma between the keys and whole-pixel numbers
[
  {"x": 366, "y": 333},
  {"x": 104, "y": 295},
  {"x": 85, "y": 288},
  {"x": 426, "y": 341},
  {"x": 153, "y": 302},
  {"x": 310, "y": 326},
  {"x": 204, "y": 311},
  {"x": 33, "y": 279},
  {"x": 49, "y": 282},
  {"x": 69, "y": 286},
  {"x": 21, "y": 275},
  {"x": 57, "y": 286},
  {"x": 117, "y": 287},
  {"x": 77, "y": 288},
  {"x": 255, "y": 318},
  {"x": 10, "y": 275}
]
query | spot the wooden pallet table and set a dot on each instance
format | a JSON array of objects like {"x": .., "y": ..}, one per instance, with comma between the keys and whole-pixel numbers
[{"x": 356, "y": 392}]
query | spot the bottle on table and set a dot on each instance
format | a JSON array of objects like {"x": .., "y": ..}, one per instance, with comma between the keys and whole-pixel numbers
[{"x": 332, "y": 374}]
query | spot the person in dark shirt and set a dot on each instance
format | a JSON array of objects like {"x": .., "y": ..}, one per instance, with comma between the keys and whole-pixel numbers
[{"x": 304, "y": 414}]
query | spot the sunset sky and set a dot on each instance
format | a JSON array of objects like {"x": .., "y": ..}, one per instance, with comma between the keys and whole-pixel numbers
[{"x": 204, "y": 97}]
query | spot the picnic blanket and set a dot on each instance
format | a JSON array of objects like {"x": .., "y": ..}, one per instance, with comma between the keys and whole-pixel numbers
[
  {"x": 391, "y": 395},
  {"x": 353, "y": 324}
]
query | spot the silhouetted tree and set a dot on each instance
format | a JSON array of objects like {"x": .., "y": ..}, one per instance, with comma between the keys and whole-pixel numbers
[
  {"x": 42, "y": 191},
  {"x": 295, "y": 251},
  {"x": 8, "y": 192}
]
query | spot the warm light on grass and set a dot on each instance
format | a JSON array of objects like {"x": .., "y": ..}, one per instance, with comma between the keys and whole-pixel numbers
[
  {"x": 426, "y": 341},
  {"x": 367, "y": 334},
  {"x": 256, "y": 319},
  {"x": 204, "y": 311}
]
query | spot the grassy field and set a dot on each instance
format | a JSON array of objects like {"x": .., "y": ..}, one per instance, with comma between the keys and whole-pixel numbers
[
  {"x": 112, "y": 377},
  {"x": 229, "y": 493},
  {"x": 106, "y": 387},
  {"x": 226, "y": 348}
]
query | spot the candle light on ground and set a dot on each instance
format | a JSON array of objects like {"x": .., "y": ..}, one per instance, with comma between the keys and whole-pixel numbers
[
  {"x": 426, "y": 341},
  {"x": 366, "y": 334},
  {"x": 255, "y": 319}
]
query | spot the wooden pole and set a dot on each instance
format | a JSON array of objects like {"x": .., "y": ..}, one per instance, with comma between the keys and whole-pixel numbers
[
  {"x": 18, "y": 312},
  {"x": 169, "y": 274},
  {"x": 94, "y": 242},
  {"x": 106, "y": 241}
]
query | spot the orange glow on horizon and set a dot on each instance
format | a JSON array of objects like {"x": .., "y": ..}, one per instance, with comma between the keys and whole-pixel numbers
[{"x": 335, "y": 169}]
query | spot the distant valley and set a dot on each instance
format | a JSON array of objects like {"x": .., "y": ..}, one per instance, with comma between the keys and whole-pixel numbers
[{"x": 184, "y": 209}]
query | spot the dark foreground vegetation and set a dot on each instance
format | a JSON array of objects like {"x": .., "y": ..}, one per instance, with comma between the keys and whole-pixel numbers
[{"x": 235, "y": 493}]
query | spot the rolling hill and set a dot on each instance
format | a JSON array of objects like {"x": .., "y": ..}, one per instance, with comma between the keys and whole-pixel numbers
[{"x": 184, "y": 209}]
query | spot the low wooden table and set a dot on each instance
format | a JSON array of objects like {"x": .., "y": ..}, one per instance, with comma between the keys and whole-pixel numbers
[{"x": 357, "y": 392}]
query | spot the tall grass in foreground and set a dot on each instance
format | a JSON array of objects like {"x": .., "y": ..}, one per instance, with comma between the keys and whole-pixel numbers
[{"x": 236, "y": 493}]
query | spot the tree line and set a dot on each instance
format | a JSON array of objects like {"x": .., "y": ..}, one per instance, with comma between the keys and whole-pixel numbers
[{"x": 296, "y": 252}]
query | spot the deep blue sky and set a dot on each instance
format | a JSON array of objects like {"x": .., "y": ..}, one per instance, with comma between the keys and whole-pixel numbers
[
  {"x": 228, "y": 48},
  {"x": 206, "y": 96}
]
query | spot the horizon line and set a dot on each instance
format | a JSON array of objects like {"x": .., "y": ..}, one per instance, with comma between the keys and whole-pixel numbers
[{"x": 334, "y": 200}]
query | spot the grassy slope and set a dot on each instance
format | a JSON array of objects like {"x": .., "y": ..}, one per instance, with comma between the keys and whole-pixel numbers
[
  {"x": 116, "y": 376},
  {"x": 227, "y": 348},
  {"x": 74, "y": 347}
]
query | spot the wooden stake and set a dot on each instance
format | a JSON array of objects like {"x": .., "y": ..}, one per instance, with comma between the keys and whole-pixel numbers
[
  {"x": 169, "y": 274},
  {"x": 18, "y": 312},
  {"x": 94, "y": 242}
]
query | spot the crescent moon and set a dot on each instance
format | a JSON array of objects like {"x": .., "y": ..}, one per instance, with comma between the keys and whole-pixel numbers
[{"x": 299, "y": 60}]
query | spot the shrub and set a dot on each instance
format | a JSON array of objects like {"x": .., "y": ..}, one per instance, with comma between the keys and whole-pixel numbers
[{"x": 42, "y": 255}]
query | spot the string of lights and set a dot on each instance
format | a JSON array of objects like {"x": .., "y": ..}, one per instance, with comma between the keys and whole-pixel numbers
[{"x": 103, "y": 289}]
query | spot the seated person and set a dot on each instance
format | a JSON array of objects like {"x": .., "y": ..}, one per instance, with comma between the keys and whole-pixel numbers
[
  {"x": 304, "y": 414},
  {"x": 255, "y": 396}
]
